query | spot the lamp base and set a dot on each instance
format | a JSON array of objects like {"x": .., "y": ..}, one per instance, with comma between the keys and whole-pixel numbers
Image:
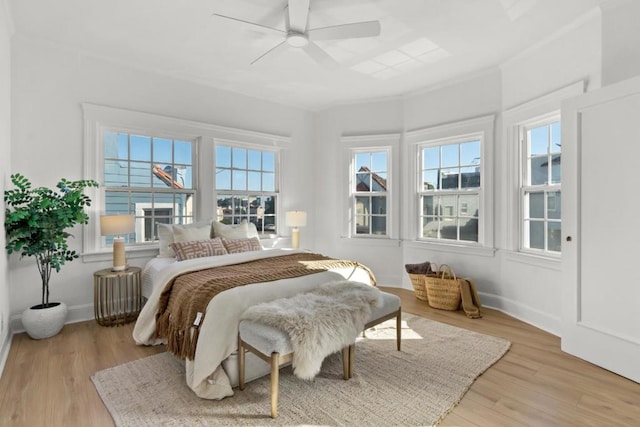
[
  {"x": 119, "y": 258},
  {"x": 295, "y": 238}
]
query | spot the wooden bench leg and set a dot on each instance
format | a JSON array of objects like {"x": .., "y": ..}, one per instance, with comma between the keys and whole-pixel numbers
[
  {"x": 352, "y": 356},
  {"x": 345, "y": 363},
  {"x": 275, "y": 378},
  {"x": 399, "y": 328},
  {"x": 240, "y": 364}
]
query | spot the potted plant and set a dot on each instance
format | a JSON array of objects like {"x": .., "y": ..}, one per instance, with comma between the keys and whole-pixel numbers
[{"x": 35, "y": 224}]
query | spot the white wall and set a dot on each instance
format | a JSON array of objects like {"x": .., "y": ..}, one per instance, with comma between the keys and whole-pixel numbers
[
  {"x": 620, "y": 40},
  {"x": 5, "y": 166},
  {"x": 50, "y": 82}
]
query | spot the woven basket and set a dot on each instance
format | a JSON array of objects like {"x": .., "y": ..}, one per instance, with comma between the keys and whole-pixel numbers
[
  {"x": 443, "y": 289},
  {"x": 417, "y": 280}
]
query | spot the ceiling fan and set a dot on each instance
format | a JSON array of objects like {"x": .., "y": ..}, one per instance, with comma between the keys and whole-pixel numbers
[{"x": 297, "y": 35}]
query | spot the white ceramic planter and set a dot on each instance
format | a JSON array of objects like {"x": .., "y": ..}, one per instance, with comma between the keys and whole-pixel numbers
[{"x": 43, "y": 323}]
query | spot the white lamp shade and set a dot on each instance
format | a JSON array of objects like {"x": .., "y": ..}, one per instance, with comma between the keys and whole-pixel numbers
[
  {"x": 115, "y": 225},
  {"x": 296, "y": 219}
]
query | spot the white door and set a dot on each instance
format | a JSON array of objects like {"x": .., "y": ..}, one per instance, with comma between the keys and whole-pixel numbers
[{"x": 601, "y": 227}]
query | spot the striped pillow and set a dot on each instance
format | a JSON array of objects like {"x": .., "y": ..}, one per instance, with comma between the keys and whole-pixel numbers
[
  {"x": 198, "y": 248},
  {"x": 235, "y": 246}
]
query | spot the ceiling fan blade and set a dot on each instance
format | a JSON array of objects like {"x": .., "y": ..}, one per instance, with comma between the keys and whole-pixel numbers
[
  {"x": 346, "y": 31},
  {"x": 274, "y": 51},
  {"x": 262, "y": 27},
  {"x": 319, "y": 55},
  {"x": 298, "y": 15}
]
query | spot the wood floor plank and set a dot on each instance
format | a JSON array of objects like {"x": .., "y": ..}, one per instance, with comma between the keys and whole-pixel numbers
[{"x": 47, "y": 382}]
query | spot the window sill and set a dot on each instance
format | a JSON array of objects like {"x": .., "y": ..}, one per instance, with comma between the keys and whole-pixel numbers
[
  {"x": 548, "y": 262},
  {"x": 132, "y": 252},
  {"x": 371, "y": 240},
  {"x": 451, "y": 248}
]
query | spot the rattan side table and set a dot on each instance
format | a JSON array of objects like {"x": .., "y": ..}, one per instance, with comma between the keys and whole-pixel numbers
[{"x": 117, "y": 296}]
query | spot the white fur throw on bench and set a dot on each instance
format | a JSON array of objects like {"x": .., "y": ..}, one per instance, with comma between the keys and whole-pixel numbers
[{"x": 319, "y": 322}]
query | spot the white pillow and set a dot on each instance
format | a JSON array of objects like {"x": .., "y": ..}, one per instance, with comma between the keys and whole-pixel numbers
[
  {"x": 169, "y": 233},
  {"x": 244, "y": 230}
]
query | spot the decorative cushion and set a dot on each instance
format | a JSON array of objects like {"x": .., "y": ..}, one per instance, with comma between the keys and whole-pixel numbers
[
  {"x": 167, "y": 235},
  {"x": 244, "y": 230},
  {"x": 198, "y": 248},
  {"x": 235, "y": 246}
]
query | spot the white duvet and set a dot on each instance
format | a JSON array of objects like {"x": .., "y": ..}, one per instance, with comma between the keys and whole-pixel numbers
[{"x": 219, "y": 331}]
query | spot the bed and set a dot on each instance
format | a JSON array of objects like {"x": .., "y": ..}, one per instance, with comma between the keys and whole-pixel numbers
[{"x": 213, "y": 371}]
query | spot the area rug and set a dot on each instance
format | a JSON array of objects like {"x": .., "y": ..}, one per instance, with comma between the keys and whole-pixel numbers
[{"x": 417, "y": 386}]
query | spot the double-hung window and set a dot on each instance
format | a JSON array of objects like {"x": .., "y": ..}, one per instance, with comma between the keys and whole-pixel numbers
[
  {"x": 149, "y": 176},
  {"x": 369, "y": 192},
  {"x": 540, "y": 190},
  {"x": 246, "y": 185},
  {"x": 450, "y": 189}
]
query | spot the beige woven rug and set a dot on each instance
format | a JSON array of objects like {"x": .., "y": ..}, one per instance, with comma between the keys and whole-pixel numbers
[{"x": 417, "y": 386}]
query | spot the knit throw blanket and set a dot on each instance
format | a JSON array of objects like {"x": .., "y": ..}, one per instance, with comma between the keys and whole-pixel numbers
[
  {"x": 319, "y": 322},
  {"x": 189, "y": 294}
]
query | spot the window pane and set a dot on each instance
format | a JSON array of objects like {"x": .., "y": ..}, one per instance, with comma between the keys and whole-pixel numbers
[
  {"x": 449, "y": 229},
  {"x": 183, "y": 152},
  {"x": 379, "y": 205},
  {"x": 363, "y": 206},
  {"x": 379, "y": 225},
  {"x": 362, "y": 224},
  {"x": 469, "y": 205},
  {"x": 554, "y": 205},
  {"x": 255, "y": 181},
  {"x": 448, "y": 206},
  {"x": 470, "y": 153},
  {"x": 268, "y": 182},
  {"x": 223, "y": 156},
  {"x": 556, "y": 145},
  {"x": 184, "y": 175},
  {"x": 363, "y": 181},
  {"x": 431, "y": 158},
  {"x": 428, "y": 205},
  {"x": 140, "y": 148},
  {"x": 239, "y": 180},
  {"x": 223, "y": 179},
  {"x": 268, "y": 161},
  {"x": 470, "y": 177},
  {"x": 363, "y": 160},
  {"x": 114, "y": 148},
  {"x": 450, "y": 155},
  {"x": 556, "y": 169},
  {"x": 469, "y": 229},
  {"x": 536, "y": 205},
  {"x": 450, "y": 178},
  {"x": 429, "y": 227},
  {"x": 536, "y": 234},
  {"x": 239, "y": 158},
  {"x": 116, "y": 173},
  {"x": 270, "y": 205},
  {"x": 255, "y": 160},
  {"x": 539, "y": 140},
  {"x": 140, "y": 174},
  {"x": 162, "y": 150},
  {"x": 430, "y": 179},
  {"x": 116, "y": 202},
  {"x": 555, "y": 239},
  {"x": 379, "y": 182},
  {"x": 379, "y": 162},
  {"x": 539, "y": 170}
]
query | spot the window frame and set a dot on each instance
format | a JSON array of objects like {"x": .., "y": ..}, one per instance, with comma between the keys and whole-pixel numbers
[
  {"x": 354, "y": 193},
  {"x": 421, "y": 192},
  {"x": 97, "y": 118},
  {"x": 279, "y": 219},
  {"x": 481, "y": 128}
]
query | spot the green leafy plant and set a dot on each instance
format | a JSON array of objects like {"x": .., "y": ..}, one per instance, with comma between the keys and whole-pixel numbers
[{"x": 36, "y": 220}]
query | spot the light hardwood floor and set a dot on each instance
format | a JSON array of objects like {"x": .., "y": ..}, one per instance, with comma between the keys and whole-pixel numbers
[{"x": 47, "y": 383}]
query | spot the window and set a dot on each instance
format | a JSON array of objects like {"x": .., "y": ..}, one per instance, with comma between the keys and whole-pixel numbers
[
  {"x": 540, "y": 190},
  {"x": 369, "y": 192},
  {"x": 450, "y": 189},
  {"x": 246, "y": 185},
  {"x": 149, "y": 176}
]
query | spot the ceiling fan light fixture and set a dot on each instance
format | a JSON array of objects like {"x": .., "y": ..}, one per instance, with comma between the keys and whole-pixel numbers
[{"x": 297, "y": 39}]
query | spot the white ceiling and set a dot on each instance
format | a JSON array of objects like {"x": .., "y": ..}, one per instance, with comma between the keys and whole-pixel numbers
[{"x": 422, "y": 42}]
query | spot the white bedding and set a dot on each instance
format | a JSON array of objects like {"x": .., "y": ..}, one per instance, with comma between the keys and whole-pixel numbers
[{"x": 219, "y": 330}]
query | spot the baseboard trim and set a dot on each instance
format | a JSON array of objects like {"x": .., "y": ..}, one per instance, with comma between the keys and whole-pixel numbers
[{"x": 4, "y": 350}]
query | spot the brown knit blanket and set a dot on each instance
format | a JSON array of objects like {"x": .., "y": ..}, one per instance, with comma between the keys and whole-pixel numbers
[{"x": 189, "y": 294}]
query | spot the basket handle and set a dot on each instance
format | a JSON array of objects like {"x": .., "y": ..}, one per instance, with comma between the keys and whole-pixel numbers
[{"x": 446, "y": 270}]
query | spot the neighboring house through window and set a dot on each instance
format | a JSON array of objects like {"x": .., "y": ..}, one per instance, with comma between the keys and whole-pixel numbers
[{"x": 369, "y": 192}]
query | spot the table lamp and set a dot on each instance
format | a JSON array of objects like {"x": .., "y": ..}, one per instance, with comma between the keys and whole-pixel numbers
[
  {"x": 296, "y": 219},
  {"x": 117, "y": 225}
]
